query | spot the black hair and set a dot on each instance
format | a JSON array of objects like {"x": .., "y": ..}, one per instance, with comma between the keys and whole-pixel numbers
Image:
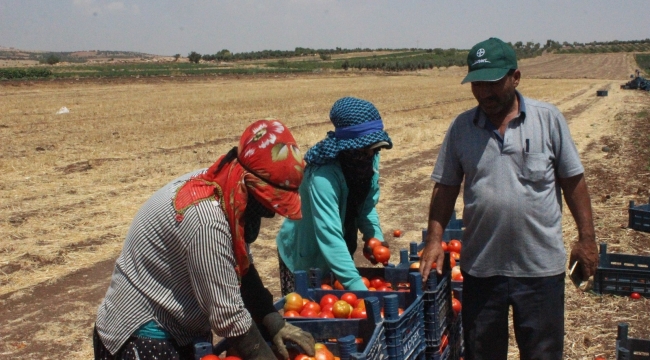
[{"x": 230, "y": 156}]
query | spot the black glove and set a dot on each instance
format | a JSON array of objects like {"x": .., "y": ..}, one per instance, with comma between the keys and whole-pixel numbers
[
  {"x": 251, "y": 345},
  {"x": 281, "y": 331}
]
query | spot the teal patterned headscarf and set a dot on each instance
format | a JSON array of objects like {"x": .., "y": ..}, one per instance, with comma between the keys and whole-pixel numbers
[{"x": 357, "y": 124}]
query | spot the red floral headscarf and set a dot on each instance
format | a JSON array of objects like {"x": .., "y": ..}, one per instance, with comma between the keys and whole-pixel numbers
[{"x": 269, "y": 165}]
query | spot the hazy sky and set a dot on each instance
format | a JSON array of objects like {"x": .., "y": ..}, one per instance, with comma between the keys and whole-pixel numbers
[{"x": 166, "y": 27}]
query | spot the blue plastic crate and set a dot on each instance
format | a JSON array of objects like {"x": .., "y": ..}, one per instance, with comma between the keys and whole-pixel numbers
[
  {"x": 639, "y": 217},
  {"x": 404, "y": 333},
  {"x": 437, "y": 306},
  {"x": 622, "y": 274},
  {"x": 630, "y": 348},
  {"x": 340, "y": 335}
]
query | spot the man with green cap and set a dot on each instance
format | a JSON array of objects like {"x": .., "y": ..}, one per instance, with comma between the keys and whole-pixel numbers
[{"x": 516, "y": 158}]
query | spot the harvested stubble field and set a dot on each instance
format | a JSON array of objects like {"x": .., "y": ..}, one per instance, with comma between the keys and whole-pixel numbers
[{"x": 70, "y": 184}]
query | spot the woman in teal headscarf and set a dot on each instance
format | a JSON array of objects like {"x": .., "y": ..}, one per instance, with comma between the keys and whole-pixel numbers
[{"x": 339, "y": 192}]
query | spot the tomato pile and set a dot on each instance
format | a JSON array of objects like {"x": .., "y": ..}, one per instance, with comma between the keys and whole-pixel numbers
[
  {"x": 377, "y": 283},
  {"x": 349, "y": 306}
]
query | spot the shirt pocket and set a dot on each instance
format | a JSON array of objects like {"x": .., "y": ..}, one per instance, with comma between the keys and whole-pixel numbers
[{"x": 535, "y": 166}]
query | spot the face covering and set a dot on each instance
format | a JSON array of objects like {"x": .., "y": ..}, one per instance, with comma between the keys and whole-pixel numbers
[{"x": 253, "y": 218}]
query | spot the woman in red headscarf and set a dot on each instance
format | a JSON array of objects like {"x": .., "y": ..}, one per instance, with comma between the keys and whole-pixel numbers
[{"x": 185, "y": 270}]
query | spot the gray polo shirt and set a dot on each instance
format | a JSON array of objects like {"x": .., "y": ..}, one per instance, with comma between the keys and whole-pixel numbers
[{"x": 513, "y": 203}]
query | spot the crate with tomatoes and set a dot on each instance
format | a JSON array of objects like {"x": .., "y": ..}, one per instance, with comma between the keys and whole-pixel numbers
[
  {"x": 402, "y": 311},
  {"x": 355, "y": 339},
  {"x": 622, "y": 274}
]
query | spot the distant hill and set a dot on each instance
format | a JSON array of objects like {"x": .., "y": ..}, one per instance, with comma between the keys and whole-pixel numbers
[{"x": 9, "y": 53}]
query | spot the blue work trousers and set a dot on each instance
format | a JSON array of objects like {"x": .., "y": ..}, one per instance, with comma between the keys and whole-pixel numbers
[{"x": 538, "y": 316}]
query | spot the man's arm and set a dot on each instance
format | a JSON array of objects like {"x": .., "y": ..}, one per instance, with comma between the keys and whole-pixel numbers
[
  {"x": 443, "y": 200},
  {"x": 585, "y": 250}
]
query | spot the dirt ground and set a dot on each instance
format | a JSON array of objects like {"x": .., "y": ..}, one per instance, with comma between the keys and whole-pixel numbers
[{"x": 610, "y": 132}]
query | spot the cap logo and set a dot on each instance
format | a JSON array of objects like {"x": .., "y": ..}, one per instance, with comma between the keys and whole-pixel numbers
[
  {"x": 480, "y": 52},
  {"x": 479, "y": 61}
]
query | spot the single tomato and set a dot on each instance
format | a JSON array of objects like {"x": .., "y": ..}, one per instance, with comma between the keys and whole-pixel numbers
[
  {"x": 349, "y": 298},
  {"x": 291, "y": 313},
  {"x": 341, "y": 309},
  {"x": 326, "y": 314},
  {"x": 397, "y": 233},
  {"x": 312, "y": 305},
  {"x": 365, "y": 280},
  {"x": 360, "y": 304},
  {"x": 414, "y": 265},
  {"x": 358, "y": 313},
  {"x": 382, "y": 254},
  {"x": 444, "y": 245},
  {"x": 444, "y": 341},
  {"x": 635, "y": 295},
  {"x": 326, "y": 287},
  {"x": 309, "y": 313},
  {"x": 377, "y": 281},
  {"x": 455, "y": 273},
  {"x": 327, "y": 299},
  {"x": 327, "y": 307},
  {"x": 454, "y": 245},
  {"x": 452, "y": 262},
  {"x": 454, "y": 255},
  {"x": 323, "y": 353},
  {"x": 338, "y": 285},
  {"x": 372, "y": 242},
  {"x": 456, "y": 306},
  {"x": 210, "y": 357},
  {"x": 293, "y": 301}
]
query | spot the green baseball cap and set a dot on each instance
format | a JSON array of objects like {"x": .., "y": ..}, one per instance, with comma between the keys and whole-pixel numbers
[{"x": 490, "y": 60}]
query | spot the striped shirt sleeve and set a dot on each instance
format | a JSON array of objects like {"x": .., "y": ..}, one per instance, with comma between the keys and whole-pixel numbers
[{"x": 211, "y": 264}]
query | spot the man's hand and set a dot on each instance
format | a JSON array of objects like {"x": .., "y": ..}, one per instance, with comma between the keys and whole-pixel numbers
[
  {"x": 586, "y": 254},
  {"x": 282, "y": 331},
  {"x": 431, "y": 254}
]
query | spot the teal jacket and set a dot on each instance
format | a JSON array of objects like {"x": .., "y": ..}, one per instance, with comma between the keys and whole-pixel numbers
[{"x": 316, "y": 241}]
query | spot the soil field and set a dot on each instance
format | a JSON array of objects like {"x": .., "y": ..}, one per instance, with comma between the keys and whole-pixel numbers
[{"x": 71, "y": 183}]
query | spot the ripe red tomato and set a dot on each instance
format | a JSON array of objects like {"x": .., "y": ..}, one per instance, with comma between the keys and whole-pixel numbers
[
  {"x": 327, "y": 299},
  {"x": 365, "y": 280},
  {"x": 322, "y": 352},
  {"x": 382, "y": 254},
  {"x": 360, "y": 304},
  {"x": 377, "y": 281},
  {"x": 454, "y": 245},
  {"x": 326, "y": 287},
  {"x": 444, "y": 341},
  {"x": 210, "y": 357},
  {"x": 312, "y": 305},
  {"x": 454, "y": 255},
  {"x": 309, "y": 313},
  {"x": 349, "y": 298},
  {"x": 444, "y": 246},
  {"x": 291, "y": 313},
  {"x": 397, "y": 233},
  {"x": 326, "y": 314},
  {"x": 456, "y": 306},
  {"x": 358, "y": 313},
  {"x": 341, "y": 309},
  {"x": 372, "y": 242},
  {"x": 327, "y": 307},
  {"x": 338, "y": 285},
  {"x": 452, "y": 262},
  {"x": 302, "y": 357},
  {"x": 635, "y": 295},
  {"x": 293, "y": 301}
]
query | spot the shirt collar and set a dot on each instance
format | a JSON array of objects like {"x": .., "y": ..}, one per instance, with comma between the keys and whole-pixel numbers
[{"x": 480, "y": 121}]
